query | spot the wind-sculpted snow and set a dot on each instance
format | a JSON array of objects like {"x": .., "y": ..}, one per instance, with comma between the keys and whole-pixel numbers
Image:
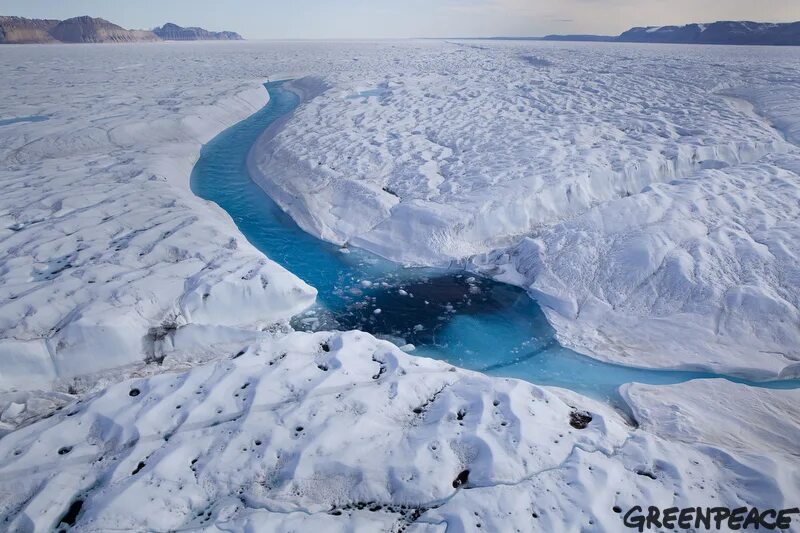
[
  {"x": 695, "y": 273},
  {"x": 771, "y": 417},
  {"x": 343, "y": 432},
  {"x": 463, "y": 154},
  {"x": 776, "y": 100},
  {"x": 104, "y": 251}
]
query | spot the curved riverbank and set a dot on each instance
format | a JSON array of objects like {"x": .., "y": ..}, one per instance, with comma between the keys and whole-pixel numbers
[{"x": 471, "y": 322}]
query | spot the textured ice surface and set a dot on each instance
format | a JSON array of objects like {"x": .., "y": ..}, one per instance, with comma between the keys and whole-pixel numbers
[
  {"x": 342, "y": 431},
  {"x": 17, "y": 120},
  {"x": 462, "y": 152},
  {"x": 696, "y": 273},
  {"x": 105, "y": 251},
  {"x": 108, "y": 260},
  {"x": 649, "y": 195},
  {"x": 771, "y": 419}
]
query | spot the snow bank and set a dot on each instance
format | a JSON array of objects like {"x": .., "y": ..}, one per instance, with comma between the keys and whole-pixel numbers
[{"x": 345, "y": 432}]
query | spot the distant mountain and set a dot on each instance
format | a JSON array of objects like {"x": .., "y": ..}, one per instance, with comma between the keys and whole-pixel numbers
[
  {"x": 18, "y": 30},
  {"x": 723, "y": 32},
  {"x": 21, "y": 30},
  {"x": 96, "y": 30},
  {"x": 173, "y": 32}
]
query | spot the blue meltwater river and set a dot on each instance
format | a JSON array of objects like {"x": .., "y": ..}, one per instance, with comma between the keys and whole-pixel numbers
[{"x": 471, "y": 322}]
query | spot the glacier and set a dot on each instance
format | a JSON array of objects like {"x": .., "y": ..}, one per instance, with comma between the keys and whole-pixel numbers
[{"x": 149, "y": 376}]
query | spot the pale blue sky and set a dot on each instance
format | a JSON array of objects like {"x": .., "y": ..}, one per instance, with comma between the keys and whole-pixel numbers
[{"x": 407, "y": 18}]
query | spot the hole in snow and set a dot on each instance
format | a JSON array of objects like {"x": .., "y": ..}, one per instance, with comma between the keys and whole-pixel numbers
[
  {"x": 646, "y": 473},
  {"x": 461, "y": 479},
  {"x": 71, "y": 516}
]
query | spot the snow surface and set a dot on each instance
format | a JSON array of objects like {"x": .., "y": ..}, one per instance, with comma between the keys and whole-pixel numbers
[
  {"x": 745, "y": 419},
  {"x": 446, "y": 151},
  {"x": 105, "y": 251},
  {"x": 344, "y": 432},
  {"x": 700, "y": 273},
  {"x": 464, "y": 153}
]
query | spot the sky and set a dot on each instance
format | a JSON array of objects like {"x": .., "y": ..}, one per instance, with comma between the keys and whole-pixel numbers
[{"x": 358, "y": 19}]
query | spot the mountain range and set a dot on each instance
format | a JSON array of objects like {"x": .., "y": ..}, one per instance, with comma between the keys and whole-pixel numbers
[
  {"x": 722, "y": 32},
  {"x": 19, "y": 30}
]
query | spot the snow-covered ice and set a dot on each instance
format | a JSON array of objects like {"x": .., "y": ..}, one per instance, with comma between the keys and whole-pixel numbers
[
  {"x": 105, "y": 251},
  {"x": 740, "y": 418},
  {"x": 465, "y": 152},
  {"x": 345, "y": 432},
  {"x": 696, "y": 273},
  {"x": 647, "y": 195}
]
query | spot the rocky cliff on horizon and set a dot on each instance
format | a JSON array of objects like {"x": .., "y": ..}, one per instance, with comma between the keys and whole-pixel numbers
[
  {"x": 96, "y": 30},
  {"x": 173, "y": 32},
  {"x": 85, "y": 29},
  {"x": 22, "y": 31}
]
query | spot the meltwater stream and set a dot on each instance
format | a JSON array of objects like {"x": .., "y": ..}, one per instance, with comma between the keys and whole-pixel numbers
[{"x": 469, "y": 321}]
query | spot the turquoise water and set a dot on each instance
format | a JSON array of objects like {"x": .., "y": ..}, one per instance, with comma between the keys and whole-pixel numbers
[
  {"x": 32, "y": 118},
  {"x": 452, "y": 315}
]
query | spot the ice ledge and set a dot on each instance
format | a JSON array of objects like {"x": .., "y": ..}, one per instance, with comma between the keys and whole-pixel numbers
[
  {"x": 697, "y": 274},
  {"x": 106, "y": 249}
]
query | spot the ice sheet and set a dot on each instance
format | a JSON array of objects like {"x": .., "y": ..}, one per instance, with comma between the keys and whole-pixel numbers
[{"x": 347, "y": 433}]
